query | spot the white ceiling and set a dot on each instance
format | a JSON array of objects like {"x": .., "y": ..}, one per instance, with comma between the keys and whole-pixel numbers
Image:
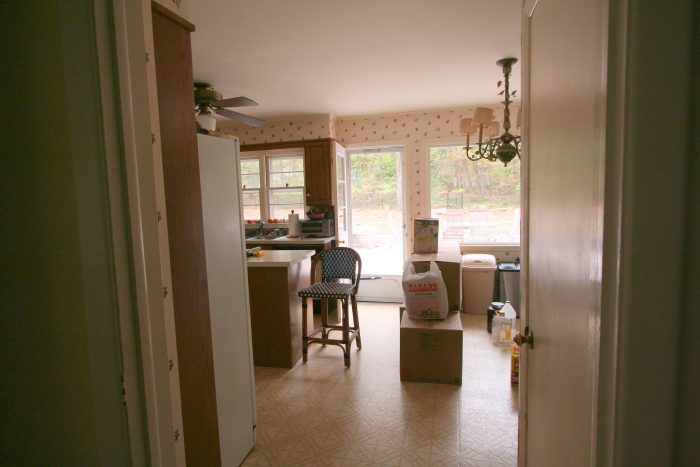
[{"x": 354, "y": 57}]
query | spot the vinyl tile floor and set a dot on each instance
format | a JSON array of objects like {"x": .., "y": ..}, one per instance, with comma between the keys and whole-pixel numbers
[{"x": 322, "y": 414}]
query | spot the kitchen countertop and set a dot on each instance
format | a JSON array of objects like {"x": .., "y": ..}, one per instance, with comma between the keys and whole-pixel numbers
[
  {"x": 291, "y": 241},
  {"x": 278, "y": 258}
]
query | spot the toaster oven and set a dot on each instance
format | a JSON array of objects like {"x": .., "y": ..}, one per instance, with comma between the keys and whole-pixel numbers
[{"x": 319, "y": 228}]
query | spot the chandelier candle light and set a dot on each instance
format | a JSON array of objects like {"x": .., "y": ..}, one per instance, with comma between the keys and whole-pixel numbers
[{"x": 504, "y": 147}]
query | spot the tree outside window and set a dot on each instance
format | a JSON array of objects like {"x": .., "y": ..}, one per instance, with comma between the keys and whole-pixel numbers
[{"x": 477, "y": 202}]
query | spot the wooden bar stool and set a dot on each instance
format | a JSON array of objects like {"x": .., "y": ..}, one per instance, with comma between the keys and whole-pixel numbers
[{"x": 340, "y": 279}]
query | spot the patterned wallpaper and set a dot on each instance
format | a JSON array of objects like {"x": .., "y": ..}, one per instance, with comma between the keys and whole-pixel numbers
[
  {"x": 279, "y": 130},
  {"x": 414, "y": 131}
]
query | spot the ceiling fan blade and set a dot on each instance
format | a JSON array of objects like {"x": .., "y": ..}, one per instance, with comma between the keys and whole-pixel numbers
[
  {"x": 234, "y": 102},
  {"x": 247, "y": 119}
]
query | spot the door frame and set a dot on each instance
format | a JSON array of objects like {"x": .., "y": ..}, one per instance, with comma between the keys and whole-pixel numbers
[
  {"x": 374, "y": 148},
  {"x": 527, "y": 12},
  {"x": 159, "y": 386}
]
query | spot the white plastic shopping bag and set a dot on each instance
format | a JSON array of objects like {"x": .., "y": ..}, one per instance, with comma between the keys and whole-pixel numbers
[{"x": 424, "y": 293}]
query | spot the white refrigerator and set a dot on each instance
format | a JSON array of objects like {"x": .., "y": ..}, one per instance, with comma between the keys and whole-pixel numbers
[{"x": 227, "y": 277}]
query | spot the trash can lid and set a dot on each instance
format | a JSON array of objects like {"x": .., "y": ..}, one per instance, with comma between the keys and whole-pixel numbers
[
  {"x": 478, "y": 261},
  {"x": 508, "y": 266}
]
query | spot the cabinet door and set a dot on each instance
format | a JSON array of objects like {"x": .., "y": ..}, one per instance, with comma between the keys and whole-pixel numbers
[{"x": 317, "y": 173}]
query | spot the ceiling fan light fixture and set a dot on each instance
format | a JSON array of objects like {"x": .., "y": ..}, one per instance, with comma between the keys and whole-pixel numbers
[
  {"x": 206, "y": 120},
  {"x": 207, "y": 102}
]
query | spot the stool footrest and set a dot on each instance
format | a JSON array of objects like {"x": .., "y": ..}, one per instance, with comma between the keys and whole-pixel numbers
[{"x": 309, "y": 339}]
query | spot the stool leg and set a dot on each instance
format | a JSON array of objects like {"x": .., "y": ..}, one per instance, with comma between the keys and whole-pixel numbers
[
  {"x": 346, "y": 333},
  {"x": 324, "y": 319},
  {"x": 304, "y": 339},
  {"x": 356, "y": 322}
]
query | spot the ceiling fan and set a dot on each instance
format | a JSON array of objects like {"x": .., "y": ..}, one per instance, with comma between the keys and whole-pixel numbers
[{"x": 207, "y": 101}]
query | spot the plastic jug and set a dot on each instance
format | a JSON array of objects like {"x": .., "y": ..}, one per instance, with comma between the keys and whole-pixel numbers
[{"x": 503, "y": 326}]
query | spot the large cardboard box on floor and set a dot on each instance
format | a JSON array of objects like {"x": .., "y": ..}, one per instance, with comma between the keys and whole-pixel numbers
[
  {"x": 431, "y": 350},
  {"x": 450, "y": 266}
]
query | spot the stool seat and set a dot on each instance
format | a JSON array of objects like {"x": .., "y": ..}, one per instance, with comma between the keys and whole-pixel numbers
[
  {"x": 340, "y": 278},
  {"x": 327, "y": 290}
]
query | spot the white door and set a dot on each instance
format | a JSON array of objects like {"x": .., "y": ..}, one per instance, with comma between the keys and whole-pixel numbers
[
  {"x": 227, "y": 277},
  {"x": 563, "y": 77},
  {"x": 377, "y": 227}
]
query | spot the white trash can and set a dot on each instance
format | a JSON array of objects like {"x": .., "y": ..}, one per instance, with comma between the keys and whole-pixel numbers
[{"x": 478, "y": 282}]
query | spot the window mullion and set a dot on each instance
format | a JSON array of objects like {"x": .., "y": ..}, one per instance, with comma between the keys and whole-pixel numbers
[{"x": 264, "y": 184}]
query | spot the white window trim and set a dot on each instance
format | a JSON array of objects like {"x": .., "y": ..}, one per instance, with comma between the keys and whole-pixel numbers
[
  {"x": 270, "y": 189},
  {"x": 264, "y": 157}
]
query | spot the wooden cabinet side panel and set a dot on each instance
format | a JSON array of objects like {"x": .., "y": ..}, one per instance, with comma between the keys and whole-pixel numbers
[
  {"x": 269, "y": 316},
  {"x": 298, "y": 278},
  {"x": 185, "y": 230}
]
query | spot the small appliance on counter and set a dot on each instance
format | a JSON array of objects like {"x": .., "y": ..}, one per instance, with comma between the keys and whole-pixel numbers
[{"x": 317, "y": 228}]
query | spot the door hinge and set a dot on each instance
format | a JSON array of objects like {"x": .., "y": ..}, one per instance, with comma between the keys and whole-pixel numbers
[
  {"x": 165, "y": 292},
  {"x": 171, "y": 364},
  {"x": 159, "y": 216},
  {"x": 176, "y": 435}
]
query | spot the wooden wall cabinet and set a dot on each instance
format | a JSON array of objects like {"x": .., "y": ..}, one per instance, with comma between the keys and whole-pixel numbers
[{"x": 318, "y": 173}]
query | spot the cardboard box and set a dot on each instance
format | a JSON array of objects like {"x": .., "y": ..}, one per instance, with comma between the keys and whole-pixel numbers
[
  {"x": 431, "y": 350},
  {"x": 450, "y": 266},
  {"x": 425, "y": 235}
]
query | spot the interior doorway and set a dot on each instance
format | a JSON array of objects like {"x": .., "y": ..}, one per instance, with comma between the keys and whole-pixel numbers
[{"x": 377, "y": 220}]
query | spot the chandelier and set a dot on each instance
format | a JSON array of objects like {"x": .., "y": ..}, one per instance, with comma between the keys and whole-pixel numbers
[{"x": 491, "y": 145}]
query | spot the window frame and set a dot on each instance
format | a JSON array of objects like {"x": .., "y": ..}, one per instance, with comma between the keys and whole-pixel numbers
[
  {"x": 450, "y": 142},
  {"x": 264, "y": 158},
  {"x": 259, "y": 190}
]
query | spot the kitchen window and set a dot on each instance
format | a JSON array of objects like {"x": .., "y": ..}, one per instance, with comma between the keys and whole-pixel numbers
[
  {"x": 476, "y": 202},
  {"x": 273, "y": 184}
]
